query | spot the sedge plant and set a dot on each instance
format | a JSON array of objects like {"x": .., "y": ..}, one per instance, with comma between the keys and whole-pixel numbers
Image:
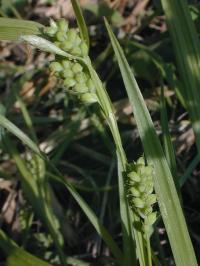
[
  {"x": 137, "y": 180},
  {"x": 73, "y": 65},
  {"x": 81, "y": 80}
]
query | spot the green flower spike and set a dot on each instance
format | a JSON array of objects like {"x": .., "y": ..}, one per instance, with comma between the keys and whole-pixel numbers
[
  {"x": 139, "y": 187},
  {"x": 76, "y": 78}
]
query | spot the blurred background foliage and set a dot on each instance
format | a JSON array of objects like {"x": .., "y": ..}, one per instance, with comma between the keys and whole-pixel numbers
[{"x": 75, "y": 137}]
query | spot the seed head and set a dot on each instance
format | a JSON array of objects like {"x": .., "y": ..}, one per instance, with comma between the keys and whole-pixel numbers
[{"x": 139, "y": 187}]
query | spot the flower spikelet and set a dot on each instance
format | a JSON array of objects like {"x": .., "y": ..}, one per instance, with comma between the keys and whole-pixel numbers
[
  {"x": 139, "y": 188},
  {"x": 75, "y": 76}
]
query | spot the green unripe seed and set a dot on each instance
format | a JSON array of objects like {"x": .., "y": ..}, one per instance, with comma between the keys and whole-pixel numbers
[
  {"x": 81, "y": 77},
  {"x": 76, "y": 51},
  {"x": 71, "y": 35},
  {"x": 66, "y": 64},
  {"x": 50, "y": 31},
  {"x": 77, "y": 68},
  {"x": 150, "y": 219},
  {"x": 67, "y": 45},
  {"x": 151, "y": 199},
  {"x": 139, "y": 169},
  {"x": 135, "y": 192},
  {"x": 148, "y": 210},
  {"x": 141, "y": 213},
  {"x": 77, "y": 41},
  {"x": 144, "y": 212},
  {"x": 68, "y": 73},
  {"x": 53, "y": 24},
  {"x": 148, "y": 182},
  {"x": 139, "y": 203},
  {"x": 134, "y": 177},
  {"x": 81, "y": 88},
  {"x": 89, "y": 98},
  {"x": 63, "y": 25},
  {"x": 148, "y": 170},
  {"x": 69, "y": 82},
  {"x": 60, "y": 36},
  {"x": 91, "y": 85},
  {"x": 141, "y": 161},
  {"x": 149, "y": 190},
  {"x": 56, "y": 67},
  {"x": 141, "y": 188}
]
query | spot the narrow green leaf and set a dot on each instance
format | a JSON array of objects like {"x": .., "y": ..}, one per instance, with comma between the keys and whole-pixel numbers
[
  {"x": 4, "y": 122},
  {"x": 11, "y": 29},
  {"x": 81, "y": 21},
  {"x": 16, "y": 255},
  {"x": 163, "y": 181},
  {"x": 167, "y": 143},
  {"x": 187, "y": 50}
]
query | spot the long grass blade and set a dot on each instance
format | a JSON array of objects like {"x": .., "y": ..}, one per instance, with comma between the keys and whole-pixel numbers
[
  {"x": 187, "y": 50},
  {"x": 7, "y": 124},
  {"x": 81, "y": 21},
  {"x": 11, "y": 29},
  {"x": 165, "y": 189},
  {"x": 167, "y": 143}
]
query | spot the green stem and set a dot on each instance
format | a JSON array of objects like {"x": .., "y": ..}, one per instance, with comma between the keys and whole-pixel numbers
[
  {"x": 127, "y": 218},
  {"x": 148, "y": 249},
  {"x": 117, "y": 139},
  {"x": 108, "y": 112},
  {"x": 139, "y": 241}
]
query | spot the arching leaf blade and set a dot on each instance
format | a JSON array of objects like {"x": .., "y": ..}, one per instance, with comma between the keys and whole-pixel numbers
[
  {"x": 165, "y": 189},
  {"x": 11, "y": 29}
]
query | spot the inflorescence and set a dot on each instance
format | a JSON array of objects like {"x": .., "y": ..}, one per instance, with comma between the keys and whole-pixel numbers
[
  {"x": 75, "y": 75},
  {"x": 139, "y": 187},
  {"x": 77, "y": 80}
]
